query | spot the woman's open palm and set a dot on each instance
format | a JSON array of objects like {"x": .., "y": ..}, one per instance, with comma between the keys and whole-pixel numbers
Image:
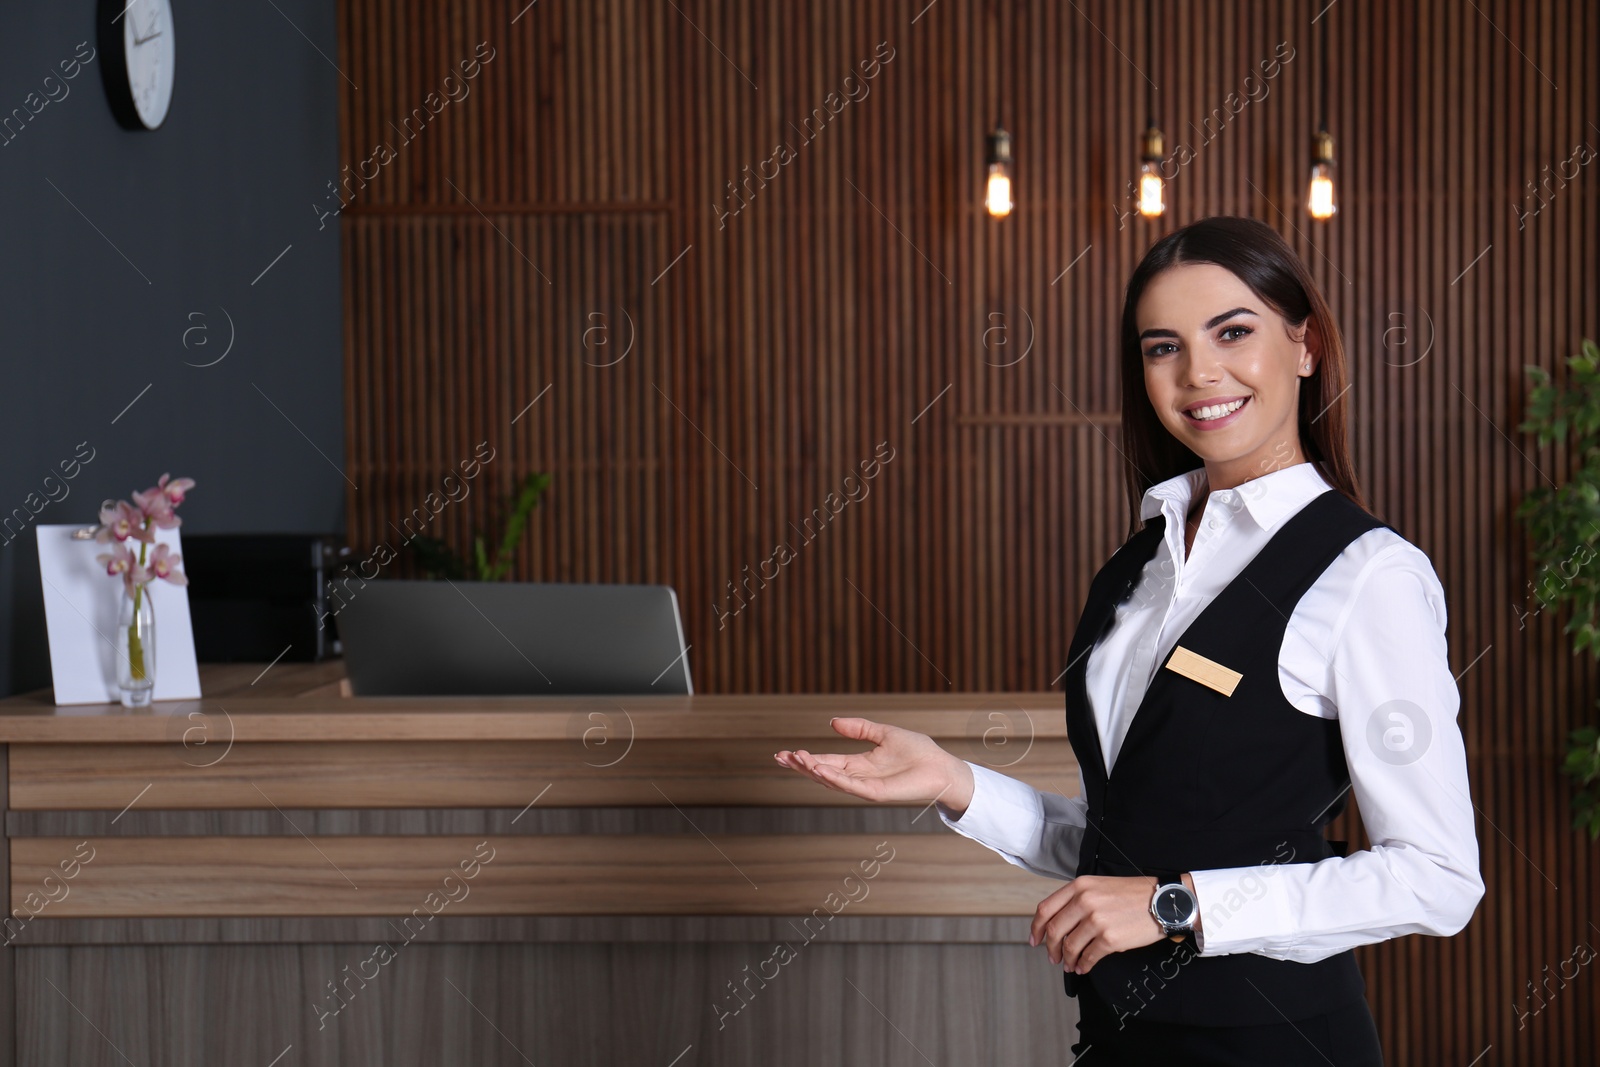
[{"x": 903, "y": 765}]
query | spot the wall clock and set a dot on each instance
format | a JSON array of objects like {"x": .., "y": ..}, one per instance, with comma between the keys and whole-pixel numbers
[{"x": 137, "y": 50}]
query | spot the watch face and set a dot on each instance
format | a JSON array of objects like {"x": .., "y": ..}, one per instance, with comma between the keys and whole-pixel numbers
[{"x": 1175, "y": 907}]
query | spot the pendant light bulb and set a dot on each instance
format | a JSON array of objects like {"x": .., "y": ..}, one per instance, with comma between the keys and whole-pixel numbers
[
  {"x": 997, "y": 193},
  {"x": 1152, "y": 202},
  {"x": 1319, "y": 197}
]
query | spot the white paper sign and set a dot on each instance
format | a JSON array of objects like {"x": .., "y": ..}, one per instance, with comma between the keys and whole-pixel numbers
[{"x": 81, "y": 602}]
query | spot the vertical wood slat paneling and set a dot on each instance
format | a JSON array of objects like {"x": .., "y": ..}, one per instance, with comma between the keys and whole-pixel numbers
[{"x": 855, "y": 286}]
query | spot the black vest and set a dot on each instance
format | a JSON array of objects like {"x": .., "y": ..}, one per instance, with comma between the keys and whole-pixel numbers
[{"x": 1205, "y": 780}]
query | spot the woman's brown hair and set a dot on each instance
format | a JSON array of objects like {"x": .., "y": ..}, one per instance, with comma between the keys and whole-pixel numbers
[{"x": 1258, "y": 257}]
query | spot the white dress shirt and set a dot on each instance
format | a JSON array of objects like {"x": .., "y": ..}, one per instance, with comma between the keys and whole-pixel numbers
[{"x": 1366, "y": 643}]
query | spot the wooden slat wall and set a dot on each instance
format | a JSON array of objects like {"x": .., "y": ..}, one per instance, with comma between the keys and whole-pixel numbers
[{"x": 854, "y": 290}]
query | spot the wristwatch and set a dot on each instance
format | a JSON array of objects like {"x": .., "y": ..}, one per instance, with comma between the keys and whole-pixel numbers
[{"x": 1173, "y": 905}]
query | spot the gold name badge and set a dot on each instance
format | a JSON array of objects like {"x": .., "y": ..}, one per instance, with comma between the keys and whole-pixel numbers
[{"x": 1207, "y": 672}]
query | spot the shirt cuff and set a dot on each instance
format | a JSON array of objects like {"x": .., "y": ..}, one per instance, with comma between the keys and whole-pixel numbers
[
  {"x": 1242, "y": 909},
  {"x": 1005, "y": 813},
  {"x": 1038, "y": 831}
]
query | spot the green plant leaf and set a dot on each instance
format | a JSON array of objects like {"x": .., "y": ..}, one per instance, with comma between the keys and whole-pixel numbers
[
  {"x": 528, "y": 497},
  {"x": 1563, "y": 526},
  {"x": 479, "y": 559}
]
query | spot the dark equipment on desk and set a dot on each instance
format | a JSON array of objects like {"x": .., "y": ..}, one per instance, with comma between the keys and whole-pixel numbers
[
  {"x": 256, "y": 597},
  {"x": 441, "y": 638}
]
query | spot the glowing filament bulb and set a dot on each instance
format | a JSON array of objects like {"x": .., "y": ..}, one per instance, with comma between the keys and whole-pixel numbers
[
  {"x": 1151, "y": 202},
  {"x": 1319, "y": 195},
  {"x": 1152, "y": 189},
  {"x": 997, "y": 193},
  {"x": 997, "y": 198}
]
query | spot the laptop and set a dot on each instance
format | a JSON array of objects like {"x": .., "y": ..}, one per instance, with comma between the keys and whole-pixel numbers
[{"x": 405, "y": 637}]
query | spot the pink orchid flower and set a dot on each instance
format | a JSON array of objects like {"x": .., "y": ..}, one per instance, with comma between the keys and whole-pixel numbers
[
  {"x": 118, "y": 561},
  {"x": 162, "y": 564},
  {"x": 165, "y": 495},
  {"x": 122, "y": 560},
  {"x": 175, "y": 491},
  {"x": 121, "y": 520},
  {"x": 154, "y": 504}
]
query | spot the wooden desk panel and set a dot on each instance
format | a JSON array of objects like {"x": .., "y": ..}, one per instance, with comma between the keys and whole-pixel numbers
[
  {"x": 249, "y": 851},
  {"x": 460, "y": 774},
  {"x": 287, "y": 739},
  {"x": 999, "y": 722},
  {"x": 723, "y": 874}
]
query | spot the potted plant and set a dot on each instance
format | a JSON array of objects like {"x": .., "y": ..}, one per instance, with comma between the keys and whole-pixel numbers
[
  {"x": 121, "y": 523},
  {"x": 439, "y": 560},
  {"x": 1563, "y": 523}
]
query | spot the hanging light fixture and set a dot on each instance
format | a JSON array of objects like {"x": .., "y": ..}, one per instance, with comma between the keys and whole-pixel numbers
[
  {"x": 1319, "y": 200},
  {"x": 1152, "y": 201},
  {"x": 1319, "y": 195},
  {"x": 997, "y": 192}
]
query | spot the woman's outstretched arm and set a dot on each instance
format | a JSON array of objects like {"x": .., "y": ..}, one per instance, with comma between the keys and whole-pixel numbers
[
  {"x": 1037, "y": 831},
  {"x": 902, "y": 767}
]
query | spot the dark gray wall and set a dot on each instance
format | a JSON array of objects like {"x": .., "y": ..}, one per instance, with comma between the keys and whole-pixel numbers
[{"x": 96, "y": 294}]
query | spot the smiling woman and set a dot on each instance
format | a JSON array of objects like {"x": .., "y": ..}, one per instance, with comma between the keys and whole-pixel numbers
[
  {"x": 1259, "y": 649},
  {"x": 1222, "y": 320}
]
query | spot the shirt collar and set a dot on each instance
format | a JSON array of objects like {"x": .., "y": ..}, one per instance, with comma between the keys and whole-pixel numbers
[{"x": 1270, "y": 498}]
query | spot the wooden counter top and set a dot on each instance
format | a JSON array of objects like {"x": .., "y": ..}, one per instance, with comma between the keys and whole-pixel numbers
[
  {"x": 238, "y": 806},
  {"x": 303, "y": 702}
]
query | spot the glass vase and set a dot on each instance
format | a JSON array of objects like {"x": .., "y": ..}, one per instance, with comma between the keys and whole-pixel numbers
[{"x": 136, "y": 648}]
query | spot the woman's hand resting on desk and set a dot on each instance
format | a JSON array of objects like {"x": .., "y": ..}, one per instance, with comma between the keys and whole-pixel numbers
[{"x": 903, "y": 766}]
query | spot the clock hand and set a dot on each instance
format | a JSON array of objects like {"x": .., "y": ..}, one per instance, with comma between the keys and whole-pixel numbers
[{"x": 142, "y": 40}]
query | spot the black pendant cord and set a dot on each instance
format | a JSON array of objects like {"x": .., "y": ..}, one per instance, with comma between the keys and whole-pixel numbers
[
  {"x": 1150, "y": 55},
  {"x": 1322, "y": 76}
]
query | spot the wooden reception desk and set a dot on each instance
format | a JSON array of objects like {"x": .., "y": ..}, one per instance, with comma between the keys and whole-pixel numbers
[{"x": 528, "y": 864}]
